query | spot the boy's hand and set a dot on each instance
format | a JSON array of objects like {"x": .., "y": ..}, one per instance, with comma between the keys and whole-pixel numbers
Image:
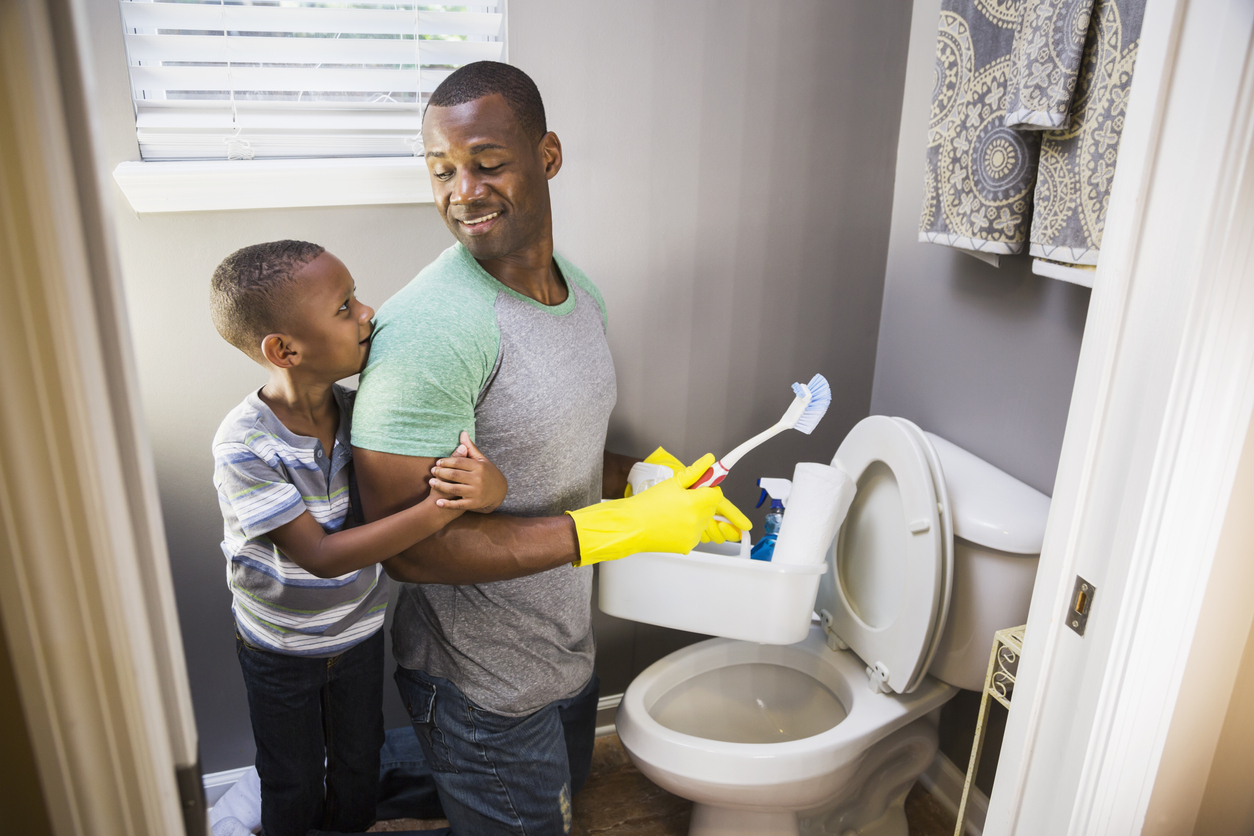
[{"x": 471, "y": 482}]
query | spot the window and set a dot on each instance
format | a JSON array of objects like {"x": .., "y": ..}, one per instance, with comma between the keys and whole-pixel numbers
[{"x": 256, "y": 79}]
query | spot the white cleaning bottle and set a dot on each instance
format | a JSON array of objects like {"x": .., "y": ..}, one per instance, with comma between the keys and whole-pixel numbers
[{"x": 778, "y": 490}]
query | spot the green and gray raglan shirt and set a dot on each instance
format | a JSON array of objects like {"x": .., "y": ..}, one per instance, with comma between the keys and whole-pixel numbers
[{"x": 534, "y": 384}]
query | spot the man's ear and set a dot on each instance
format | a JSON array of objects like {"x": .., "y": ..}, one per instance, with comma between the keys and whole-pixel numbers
[
  {"x": 551, "y": 154},
  {"x": 279, "y": 351}
]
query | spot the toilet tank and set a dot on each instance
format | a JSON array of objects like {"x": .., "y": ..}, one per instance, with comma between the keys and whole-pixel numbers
[{"x": 999, "y": 525}]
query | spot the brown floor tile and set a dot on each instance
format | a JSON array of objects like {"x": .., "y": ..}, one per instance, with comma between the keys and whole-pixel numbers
[
  {"x": 608, "y": 755},
  {"x": 619, "y": 801},
  {"x": 393, "y": 825},
  {"x": 925, "y": 814},
  {"x": 612, "y": 802}
]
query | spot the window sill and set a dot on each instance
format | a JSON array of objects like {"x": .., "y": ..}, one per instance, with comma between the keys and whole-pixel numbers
[{"x": 221, "y": 185}]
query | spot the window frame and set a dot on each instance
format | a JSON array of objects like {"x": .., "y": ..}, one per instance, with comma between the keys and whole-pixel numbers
[
  {"x": 224, "y": 185},
  {"x": 166, "y": 186}
]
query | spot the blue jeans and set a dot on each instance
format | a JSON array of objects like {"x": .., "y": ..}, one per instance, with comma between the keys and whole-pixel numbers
[
  {"x": 406, "y": 790},
  {"x": 316, "y": 721},
  {"x": 496, "y": 774}
]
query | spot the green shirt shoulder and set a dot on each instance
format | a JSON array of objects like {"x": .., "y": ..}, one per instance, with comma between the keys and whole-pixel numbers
[{"x": 434, "y": 349}]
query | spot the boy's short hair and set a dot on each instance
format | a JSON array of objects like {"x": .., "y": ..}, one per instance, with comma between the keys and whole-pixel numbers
[
  {"x": 483, "y": 78},
  {"x": 249, "y": 289}
]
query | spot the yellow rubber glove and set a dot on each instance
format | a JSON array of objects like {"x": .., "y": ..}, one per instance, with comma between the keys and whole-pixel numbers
[
  {"x": 717, "y": 531},
  {"x": 666, "y": 518}
]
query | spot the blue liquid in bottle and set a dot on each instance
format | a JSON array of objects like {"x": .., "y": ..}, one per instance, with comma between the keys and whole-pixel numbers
[{"x": 765, "y": 548}]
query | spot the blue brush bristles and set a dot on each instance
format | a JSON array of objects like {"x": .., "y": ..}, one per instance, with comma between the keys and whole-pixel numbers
[{"x": 820, "y": 400}]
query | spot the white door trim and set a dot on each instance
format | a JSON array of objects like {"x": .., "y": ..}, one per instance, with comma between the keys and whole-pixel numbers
[
  {"x": 85, "y": 591},
  {"x": 1162, "y": 402}
]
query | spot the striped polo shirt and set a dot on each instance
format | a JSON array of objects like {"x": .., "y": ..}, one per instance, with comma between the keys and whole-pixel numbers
[{"x": 267, "y": 476}]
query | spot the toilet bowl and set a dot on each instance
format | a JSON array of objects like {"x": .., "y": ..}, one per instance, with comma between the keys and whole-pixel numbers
[
  {"x": 773, "y": 730},
  {"x": 828, "y": 734}
]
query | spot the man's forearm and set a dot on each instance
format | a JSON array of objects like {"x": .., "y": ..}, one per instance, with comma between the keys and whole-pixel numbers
[{"x": 482, "y": 548}]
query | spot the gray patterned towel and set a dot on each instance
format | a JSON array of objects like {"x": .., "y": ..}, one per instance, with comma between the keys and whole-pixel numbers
[
  {"x": 1077, "y": 163},
  {"x": 978, "y": 191},
  {"x": 1045, "y": 63}
]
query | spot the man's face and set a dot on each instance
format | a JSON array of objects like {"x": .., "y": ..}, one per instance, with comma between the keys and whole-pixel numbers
[
  {"x": 329, "y": 326},
  {"x": 489, "y": 178}
]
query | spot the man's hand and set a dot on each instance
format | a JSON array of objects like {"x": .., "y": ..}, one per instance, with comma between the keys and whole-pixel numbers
[
  {"x": 474, "y": 548},
  {"x": 666, "y": 518},
  {"x": 717, "y": 531},
  {"x": 468, "y": 480}
]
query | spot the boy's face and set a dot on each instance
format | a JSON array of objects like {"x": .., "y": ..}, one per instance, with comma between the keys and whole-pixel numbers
[{"x": 330, "y": 329}]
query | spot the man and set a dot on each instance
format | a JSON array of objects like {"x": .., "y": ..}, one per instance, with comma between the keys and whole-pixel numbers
[{"x": 504, "y": 337}]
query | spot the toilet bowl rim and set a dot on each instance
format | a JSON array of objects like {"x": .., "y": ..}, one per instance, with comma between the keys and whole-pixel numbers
[
  {"x": 870, "y": 715},
  {"x": 837, "y": 669}
]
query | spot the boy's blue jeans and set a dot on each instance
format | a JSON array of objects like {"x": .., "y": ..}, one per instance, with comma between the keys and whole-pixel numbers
[
  {"x": 305, "y": 710},
  {"x": 496, "y": 774}
]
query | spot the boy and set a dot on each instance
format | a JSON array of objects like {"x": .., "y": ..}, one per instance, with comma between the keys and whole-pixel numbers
[{"x": 308, "y": 596}]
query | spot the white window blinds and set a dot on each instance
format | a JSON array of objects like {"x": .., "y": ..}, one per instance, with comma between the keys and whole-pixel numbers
[{"x": 238, "y": 79}]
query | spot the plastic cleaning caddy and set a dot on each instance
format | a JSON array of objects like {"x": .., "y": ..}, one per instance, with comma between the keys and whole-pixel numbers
[{"x": 715, "y": 590}]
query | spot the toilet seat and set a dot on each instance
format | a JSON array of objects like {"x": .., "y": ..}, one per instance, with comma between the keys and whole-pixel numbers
[
  {"x": 947, "y": 536},
  {"x": 884, "y": 593}
]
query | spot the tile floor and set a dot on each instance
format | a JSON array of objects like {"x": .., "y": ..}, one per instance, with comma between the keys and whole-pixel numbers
[{"x": 619, "y": 801}]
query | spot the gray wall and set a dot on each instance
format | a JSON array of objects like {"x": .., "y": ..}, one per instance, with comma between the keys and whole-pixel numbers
[
  {"x": 984, "y": 357},
  {"x": 727, "y": 184}
]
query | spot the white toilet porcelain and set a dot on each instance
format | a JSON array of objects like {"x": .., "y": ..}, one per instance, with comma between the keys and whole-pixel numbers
[
  {"x": 773, "y": 730},
  {"x": 826, "y": 735}
]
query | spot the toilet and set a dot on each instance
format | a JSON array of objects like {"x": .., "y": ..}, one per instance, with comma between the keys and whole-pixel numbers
[{"x": 818, "y": 719}]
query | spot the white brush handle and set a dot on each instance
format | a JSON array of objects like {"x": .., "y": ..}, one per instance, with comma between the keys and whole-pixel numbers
[
  {"x": 729, "y": 461},
  {"x": 717, "y": 472}
]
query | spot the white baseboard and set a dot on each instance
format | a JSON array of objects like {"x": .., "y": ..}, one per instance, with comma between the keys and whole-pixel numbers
[
  {"x": 607, "y": 707},
  {"x": 944, "y": 781},
  {"x": 217, "y": 783}
]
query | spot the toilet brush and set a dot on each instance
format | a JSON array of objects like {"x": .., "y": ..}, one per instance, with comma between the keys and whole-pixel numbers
[{"x": 804, "y": 413}]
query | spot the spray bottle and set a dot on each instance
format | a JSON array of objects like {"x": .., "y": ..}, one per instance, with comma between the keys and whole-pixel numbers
[{"x": 778, "y": 490}]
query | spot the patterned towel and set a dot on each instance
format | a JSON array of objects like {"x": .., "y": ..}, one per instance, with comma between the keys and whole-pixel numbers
[
  {"x": 980, "y": 173},
  {"x": 1045, "y": 64},
  {"x": 1077, "y": 162}
]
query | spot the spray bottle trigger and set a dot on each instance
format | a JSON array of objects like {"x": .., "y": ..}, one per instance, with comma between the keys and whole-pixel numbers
[{"x": 761, "y": 499}]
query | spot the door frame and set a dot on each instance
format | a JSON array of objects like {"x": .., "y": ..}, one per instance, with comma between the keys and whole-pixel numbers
[
  {"x": 86, "y": 594},
  {"x": 1159, "y": 415}
]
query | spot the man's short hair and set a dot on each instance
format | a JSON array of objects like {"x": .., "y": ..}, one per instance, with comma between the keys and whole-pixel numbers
[
  {"x": 483, "y": 78},
  {"x": 249, "y": 290}
]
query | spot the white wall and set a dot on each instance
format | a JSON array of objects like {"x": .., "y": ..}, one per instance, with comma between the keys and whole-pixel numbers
[
  {"x": 1208, "y": 756},
  {"x": 728, "y": 184},
  {"x": 1227, "y": 804}
]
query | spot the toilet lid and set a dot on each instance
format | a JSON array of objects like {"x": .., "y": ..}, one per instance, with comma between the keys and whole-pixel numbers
[
  {"x": 884, "y": 590},
  {"x": 947, "y": 536}
]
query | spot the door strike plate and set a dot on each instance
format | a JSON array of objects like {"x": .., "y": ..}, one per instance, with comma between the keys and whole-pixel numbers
[{"x": 1081, "y": 603}]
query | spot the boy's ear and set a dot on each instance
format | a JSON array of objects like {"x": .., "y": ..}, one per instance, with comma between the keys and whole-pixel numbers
[{"x": 279, "y": 351}]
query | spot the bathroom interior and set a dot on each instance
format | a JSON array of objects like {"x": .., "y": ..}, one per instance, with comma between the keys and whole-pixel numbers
[
  {"x": 743, "y": 180},
  {"x": 744, "y": 183}
]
